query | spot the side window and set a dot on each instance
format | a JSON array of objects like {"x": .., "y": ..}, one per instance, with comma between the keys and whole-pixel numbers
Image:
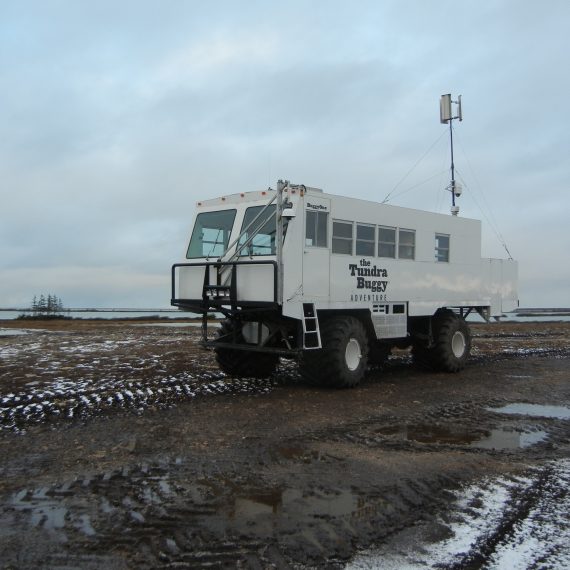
[
  {"x": 260, "y": 237},
  {"x": 386, "y": 242},
  {"x": 365, "y": 239},
  {"x": 342, "y": 237},
  {"x": 407, "y": 244},
  {"x": 316, "y": 229},
  {"x": 442, "y": 247}
]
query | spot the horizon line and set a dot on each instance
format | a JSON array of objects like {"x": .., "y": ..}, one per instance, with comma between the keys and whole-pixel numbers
[{"x": 96, "y": 309}]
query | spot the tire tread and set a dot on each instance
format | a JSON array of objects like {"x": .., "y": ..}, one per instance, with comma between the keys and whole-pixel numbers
[
  {"x": 326, "y": 367},
  {"x": 242, "y": 363}
]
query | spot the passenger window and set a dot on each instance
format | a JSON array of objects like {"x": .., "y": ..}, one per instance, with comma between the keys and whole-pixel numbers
[
  {"x": 342, "y": 237},
  {"x": 365, "y": 239},
  {"x": 316, "y": 229},
  {"x": 211, "y": 234},
  {"x": 442, "y": 247},
  {"x": 386, "y": 242},
  {"x": 407, "y": 244}
]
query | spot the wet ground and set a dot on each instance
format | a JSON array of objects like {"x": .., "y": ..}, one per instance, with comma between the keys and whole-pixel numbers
[{"x": 122, "y": 446}]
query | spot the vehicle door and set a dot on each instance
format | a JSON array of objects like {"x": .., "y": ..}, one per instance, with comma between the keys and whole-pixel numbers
[{"x": 316, "y": 248}]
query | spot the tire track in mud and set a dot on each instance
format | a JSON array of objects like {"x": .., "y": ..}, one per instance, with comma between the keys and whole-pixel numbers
[
  {"x": 518, "y": 521},
  {"x": 18, "y": 411},
  {"x": 67, "y": 376},
  {"x": 529, "y": 502},
  {"x": 168, "y": 515},
  {"x": 76, "y": 375},
  {"x": 65, "y": 399}
]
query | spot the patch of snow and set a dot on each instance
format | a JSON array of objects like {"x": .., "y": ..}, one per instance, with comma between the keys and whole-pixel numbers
[
  {"x": 13, "y": 332},
  {"x": 535, "y": 410},
  {"x": 481, "y": 524}
]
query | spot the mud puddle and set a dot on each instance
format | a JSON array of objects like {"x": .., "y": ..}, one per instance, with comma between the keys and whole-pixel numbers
[
  {"x": 498, "y": 439},
  {"x": 196, "y": 520},
  {"x": 295, "y": 504}
]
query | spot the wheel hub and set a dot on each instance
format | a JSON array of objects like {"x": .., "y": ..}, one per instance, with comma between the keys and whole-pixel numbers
[
  {"x": 352, "y": 354},
  {"x": 458, "y": 344}
]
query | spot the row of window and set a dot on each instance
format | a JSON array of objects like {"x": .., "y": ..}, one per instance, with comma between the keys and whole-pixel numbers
[
  {"x": 392, "y": 242},
  {"x": 354, "y": 238},
  {"x": 210, "y": 237}
]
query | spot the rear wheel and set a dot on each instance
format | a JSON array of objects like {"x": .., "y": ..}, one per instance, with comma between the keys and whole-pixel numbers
[
  {"x": 343, "y": 360},
  {"x": 452, "y": 342},
  {"x": 242, "y": 363}
]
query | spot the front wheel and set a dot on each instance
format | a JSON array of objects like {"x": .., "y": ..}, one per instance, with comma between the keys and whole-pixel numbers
[
  {"x": 241, "y": 363},
  {"x": 343, "y": 360}
]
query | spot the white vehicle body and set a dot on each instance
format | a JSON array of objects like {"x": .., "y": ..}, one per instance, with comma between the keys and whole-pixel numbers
[{"x": 390, "y": 267}]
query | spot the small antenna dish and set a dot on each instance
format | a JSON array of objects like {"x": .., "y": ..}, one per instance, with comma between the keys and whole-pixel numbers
[
  {"x": 445, "y": 109},
  {"x": 446, "y": 116}
]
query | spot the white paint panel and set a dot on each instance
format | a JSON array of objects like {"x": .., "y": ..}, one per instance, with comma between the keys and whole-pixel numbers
[
  {"x": 255, "y": 283},
  {"x": 190, "y": 282}
]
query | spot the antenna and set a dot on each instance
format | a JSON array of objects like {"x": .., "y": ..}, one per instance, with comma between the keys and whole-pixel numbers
[{"x": 446, "y": 116}]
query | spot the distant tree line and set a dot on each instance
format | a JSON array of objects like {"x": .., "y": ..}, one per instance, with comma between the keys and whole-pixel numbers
[{"x": 46, "y": 306}]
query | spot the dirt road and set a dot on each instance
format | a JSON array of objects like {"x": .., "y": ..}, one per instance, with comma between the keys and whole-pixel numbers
[{"x": 122, "y": 446}]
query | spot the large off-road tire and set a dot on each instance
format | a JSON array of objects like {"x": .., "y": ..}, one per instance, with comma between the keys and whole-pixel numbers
[
  {"x": 243, "y": 363},
  {"x": 343, "y": 360},
  {"x": 452, "y": 342}
]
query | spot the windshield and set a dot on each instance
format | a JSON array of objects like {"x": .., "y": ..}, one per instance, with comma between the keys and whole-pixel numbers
[
  {"x": 263, "y": 232},
  {"x": 211, "y": 234}
]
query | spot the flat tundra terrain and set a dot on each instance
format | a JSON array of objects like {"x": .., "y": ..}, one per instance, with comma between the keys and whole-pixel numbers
[{"x": 123, "y": 446}]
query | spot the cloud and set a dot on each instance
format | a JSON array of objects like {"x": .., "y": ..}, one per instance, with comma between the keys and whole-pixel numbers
[{"x": 117, "y": 118}]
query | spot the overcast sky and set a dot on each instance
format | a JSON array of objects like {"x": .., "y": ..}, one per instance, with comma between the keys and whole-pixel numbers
[{"x": 117, "y": 116}]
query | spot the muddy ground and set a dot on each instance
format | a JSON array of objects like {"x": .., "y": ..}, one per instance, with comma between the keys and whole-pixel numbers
[{"x": 122, "y": 446}]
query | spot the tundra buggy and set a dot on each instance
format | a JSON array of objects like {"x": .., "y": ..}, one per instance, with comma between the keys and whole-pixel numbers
[{"x": 336, "y": 283}]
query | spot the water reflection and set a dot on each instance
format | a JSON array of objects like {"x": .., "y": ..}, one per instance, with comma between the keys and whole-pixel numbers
[{"x": 451, "y": 435}]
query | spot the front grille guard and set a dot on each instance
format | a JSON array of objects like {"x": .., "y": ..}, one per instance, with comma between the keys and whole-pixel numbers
[{"x": 223, "y": 298}]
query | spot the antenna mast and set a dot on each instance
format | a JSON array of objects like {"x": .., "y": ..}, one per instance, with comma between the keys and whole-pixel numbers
[{"x": 446, "y": 116}]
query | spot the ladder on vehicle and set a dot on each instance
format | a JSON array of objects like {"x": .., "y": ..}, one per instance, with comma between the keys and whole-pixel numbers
[{"x": 311, "y": 331}]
